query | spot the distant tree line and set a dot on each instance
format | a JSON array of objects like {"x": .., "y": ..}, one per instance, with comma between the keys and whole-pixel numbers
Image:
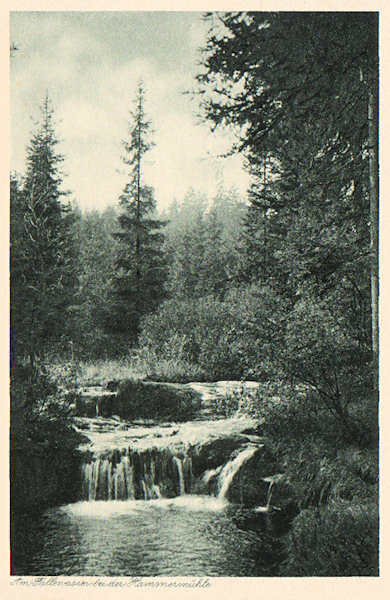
[
  {"x": 281, "y": 284},
  {"x": 84, "y": 280}
]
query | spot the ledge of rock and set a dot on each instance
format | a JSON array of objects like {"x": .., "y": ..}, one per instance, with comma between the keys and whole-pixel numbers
[
  {"x": 94, "y": 402},
  {"x": 136, "y": 399},
  {"x": 214, "y": 453},
  {"x": 249, "y": 486},
  {"x": 151, "y": 400}
]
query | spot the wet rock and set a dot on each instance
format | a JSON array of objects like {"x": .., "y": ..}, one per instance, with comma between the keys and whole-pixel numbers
[
  {"x": 249, "y": 486},
  {"x": 151, "y": 400},
  {"x": 281, "y": 492},
  {"x": 254, "y": 431},
  {"x": 112, "y": 386},
  {"x": 138, "y": 400},
  {"x": 95, "y": 401},
  {"x": 214, "y": 453}
]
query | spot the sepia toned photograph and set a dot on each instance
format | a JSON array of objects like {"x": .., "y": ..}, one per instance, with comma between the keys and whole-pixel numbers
[{"x": 194, "y": 284}]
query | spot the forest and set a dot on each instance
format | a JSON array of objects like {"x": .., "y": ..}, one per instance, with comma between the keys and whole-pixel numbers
[{"x": 278, "y": 286}]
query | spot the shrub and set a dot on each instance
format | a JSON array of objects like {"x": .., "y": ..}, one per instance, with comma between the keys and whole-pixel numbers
[
  {"x": 298, "y": 412},
  {"x": 321, "y": 350},
  {"x": 337, "y": 541},
  {"x": 40, "y": 410},
  {"x": 170, "y": 362},
  {"x": 320, "y": 464},
  {"x": 226, "y": 339},
  {"x": 44, "y": 459}
]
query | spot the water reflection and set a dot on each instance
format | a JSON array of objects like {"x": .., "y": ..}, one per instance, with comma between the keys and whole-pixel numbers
[{"x": 184, "y": 536}]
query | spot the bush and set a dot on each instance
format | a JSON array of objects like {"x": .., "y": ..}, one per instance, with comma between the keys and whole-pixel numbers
[
  {"x": 169, "y": 363},
  {"x": 336, "y": 541},
  {"x": 322, "y": 351},
  {"x": 320, "y": 462},
  {"x": 295, "y": 412},
  {"x": 225, "y": 339},
  {"x": 40, "y": 409},
  {"x": 44, "y": 459}
]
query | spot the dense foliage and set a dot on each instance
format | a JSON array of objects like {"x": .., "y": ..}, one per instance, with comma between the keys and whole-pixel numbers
[
  {"x": 43, "y": 292},
  {"x": 97, "y": 251},
  {"x": 299, "y": 87},
  {"x": 279, "y": 287}
]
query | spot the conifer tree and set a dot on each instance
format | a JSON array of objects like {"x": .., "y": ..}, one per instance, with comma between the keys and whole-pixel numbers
[
  {"x": 301, "y": 90},
  {"x": 141, "y": 266},
  {"x": 42, "y": 273}
]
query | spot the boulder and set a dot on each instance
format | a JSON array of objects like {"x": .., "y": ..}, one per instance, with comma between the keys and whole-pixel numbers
[
  {"x": 136, "y": 399},
  {"x": 152, "y": 400},
  {"x": 94, "y": 402},
  {"x": 249, "y": 485},
  {"x": 214, "y": 453}
]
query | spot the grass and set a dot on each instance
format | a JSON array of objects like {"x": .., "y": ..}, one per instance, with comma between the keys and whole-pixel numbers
[
  {"x": 135, "y": 367},
  {"x": 96, "y": 372},
  {"x": 173, "y": 366},
  {"x": 103, "y": 371},
  {"x": 333, "y": 475},
  {"x": 338, "y": 540}
]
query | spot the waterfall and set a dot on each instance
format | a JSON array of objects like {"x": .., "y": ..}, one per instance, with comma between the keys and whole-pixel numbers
[
  {"x": 208, "y": 475},
  {"x": 132, "y": 475},
  {"x": 231, "y": 468},
  {"x": 269, "y": 495},
  {"x": 156, "y": 490},
  {"x": 144, "y": 490},
  {"x": 179, "y": 465},
  {"x": 154, "y": 463}
]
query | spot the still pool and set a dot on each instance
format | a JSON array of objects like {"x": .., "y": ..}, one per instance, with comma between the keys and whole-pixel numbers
[{"x": 183, "y": 536}]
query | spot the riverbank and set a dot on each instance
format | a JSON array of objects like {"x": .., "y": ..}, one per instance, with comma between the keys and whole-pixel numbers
[
  {"x": 44, "y": 456},
  {"x": 333, "y": 474},
  {"x": 330, "y": 521}
]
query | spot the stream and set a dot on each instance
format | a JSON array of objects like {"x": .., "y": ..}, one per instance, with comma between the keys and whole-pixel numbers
[{"x": 167, "y": 499}]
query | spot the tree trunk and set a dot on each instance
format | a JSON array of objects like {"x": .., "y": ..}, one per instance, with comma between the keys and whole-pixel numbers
[{"x": 374, "y": 225}]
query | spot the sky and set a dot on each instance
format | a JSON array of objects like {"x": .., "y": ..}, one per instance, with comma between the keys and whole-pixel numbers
[{"x": 90, "y": 64}]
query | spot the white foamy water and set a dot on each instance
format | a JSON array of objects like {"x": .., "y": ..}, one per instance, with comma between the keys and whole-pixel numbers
[
  {"x": 107, "y": 508},
  {"x": 109, "y": 434},
  {"x": 129, "y": 525},
  {"x": 232, "y": 467}
]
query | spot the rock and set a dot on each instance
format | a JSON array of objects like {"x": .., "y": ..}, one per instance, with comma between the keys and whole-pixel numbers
[
  {"x": 112, "y": 386},
  {"x": 254, "y": 431},
  {"x": 249, "y": 486},
  {"x": 281, "y": 491},
  {"x": 95, "y": 401},
  {"x": 214, "y": 453},
  {"x": 152, "y": 400}
]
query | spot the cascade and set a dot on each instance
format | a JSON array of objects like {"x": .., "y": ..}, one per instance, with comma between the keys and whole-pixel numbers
[
  {"x": 132, "y": 475},
  {"x": 231, "y": 468},
  {"x": 267, "y": 508},
  {"x": 150, "y": 461},
  {"x": 179, "y": 465}
]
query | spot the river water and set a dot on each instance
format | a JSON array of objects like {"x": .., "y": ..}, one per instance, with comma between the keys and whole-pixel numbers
[
  {"x": 124, "y": 523},
  {"x": 185, "y": 536}
]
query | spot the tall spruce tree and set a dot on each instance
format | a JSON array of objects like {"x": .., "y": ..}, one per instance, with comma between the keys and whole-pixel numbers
[
  {"x": 302, "y": 90},
  {"x": 141, "y": 265},
  {"x": 42, "y": 273}
]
